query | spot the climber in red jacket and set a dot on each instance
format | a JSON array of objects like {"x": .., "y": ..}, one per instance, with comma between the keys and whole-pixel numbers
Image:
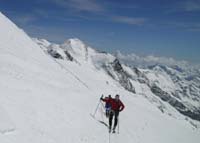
[{"x": 116, "y": 107}]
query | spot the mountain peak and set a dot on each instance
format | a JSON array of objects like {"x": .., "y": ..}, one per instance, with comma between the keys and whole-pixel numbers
[
  {"x": 73, "y": 41},
  {"x": 76, "y": 48}
]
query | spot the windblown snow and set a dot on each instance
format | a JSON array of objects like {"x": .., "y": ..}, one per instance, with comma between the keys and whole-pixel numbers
[{"x": 48, "y": 93}]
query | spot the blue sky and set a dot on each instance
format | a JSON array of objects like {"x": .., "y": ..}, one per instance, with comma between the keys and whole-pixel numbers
[{"x": 169, "y": 28}]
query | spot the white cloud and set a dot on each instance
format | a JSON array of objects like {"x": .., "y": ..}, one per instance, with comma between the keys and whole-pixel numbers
[
  {"x": 195, "y": 27},
  {"x": 93, "y": 6},
  {"x": 81, "y": 5},
  {"x": 185, "y": 6},
  {"x": 24, "y": 19},
  {"x": 135, "y": 60},
  {"x": 129, "y": 20},
  {"x": 189, "y": 26},
  {"x": 191, "y": 6}
]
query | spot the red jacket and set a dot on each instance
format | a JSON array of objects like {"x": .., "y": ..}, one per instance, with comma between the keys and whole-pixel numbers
[
  {"x": 107, "y": 100},
  {"x": 115, "y": 104}
]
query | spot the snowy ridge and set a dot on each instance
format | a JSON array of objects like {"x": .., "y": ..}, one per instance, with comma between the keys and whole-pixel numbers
[{"x": 48, "y": 92}]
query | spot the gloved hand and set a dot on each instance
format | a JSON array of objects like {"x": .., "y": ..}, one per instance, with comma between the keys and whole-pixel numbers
[{"x": 101, "y": 97}]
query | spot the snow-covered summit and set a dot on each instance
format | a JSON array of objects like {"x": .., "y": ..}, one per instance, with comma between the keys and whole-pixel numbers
[
  {"x": 75, "y": 45},
  {"x": 81, "y": 52},
  {"x": 77, "y": 48}
]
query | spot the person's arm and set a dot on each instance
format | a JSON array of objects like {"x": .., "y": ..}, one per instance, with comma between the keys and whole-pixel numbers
[
  {"x": 103, "y": 99},
  {"x": 121, "y": 106}
]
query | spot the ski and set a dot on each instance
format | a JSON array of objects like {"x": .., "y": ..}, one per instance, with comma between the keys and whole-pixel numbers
[{"x": 102, "y": 122}]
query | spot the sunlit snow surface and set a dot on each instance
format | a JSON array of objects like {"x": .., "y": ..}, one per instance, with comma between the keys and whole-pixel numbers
[{"x": 43, "y": 100}]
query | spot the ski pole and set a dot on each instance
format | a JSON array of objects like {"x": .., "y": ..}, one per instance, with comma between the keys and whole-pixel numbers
[
  {"x": 97, "y": 107},
  {"x": 102, "y": 113},
  {"x": 118, "y": 125},
  {"x": 109, "y": 141}
]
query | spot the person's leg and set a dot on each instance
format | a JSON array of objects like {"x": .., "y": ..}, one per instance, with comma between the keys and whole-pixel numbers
[
  {"x": 116, "y": 119},
  {"x": 106, "y": 112},
  {"x": 110, "y": 119}
]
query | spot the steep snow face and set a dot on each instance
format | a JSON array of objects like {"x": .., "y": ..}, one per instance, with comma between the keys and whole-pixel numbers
[
  {"x": 48, "y": 99},
  {"x": 34, "y": 106},
  {"x": 15, "y": 43}
]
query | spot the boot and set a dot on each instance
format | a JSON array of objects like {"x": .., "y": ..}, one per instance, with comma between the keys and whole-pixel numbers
[{"x": 114, "y": 129}]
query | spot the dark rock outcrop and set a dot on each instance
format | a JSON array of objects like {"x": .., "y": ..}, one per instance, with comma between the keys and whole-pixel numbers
[
  {"x": 55, "y": 54},
  {"x": 194, "y": 114},
  {"x": 122, "y": 76},
  {"x": 68, "y": 56}
]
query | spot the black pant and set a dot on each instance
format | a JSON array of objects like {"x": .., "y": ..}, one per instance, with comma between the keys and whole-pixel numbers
[{"x": 116, "y": 114}]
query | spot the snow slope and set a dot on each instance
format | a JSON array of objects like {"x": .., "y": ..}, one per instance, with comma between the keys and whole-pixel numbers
[{"x": 49, "y": 100}]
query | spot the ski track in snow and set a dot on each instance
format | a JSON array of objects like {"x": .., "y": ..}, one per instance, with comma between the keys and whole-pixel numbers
[
  {"x": 6, "y": 124},
  {"x": 76, "y": 77}
]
